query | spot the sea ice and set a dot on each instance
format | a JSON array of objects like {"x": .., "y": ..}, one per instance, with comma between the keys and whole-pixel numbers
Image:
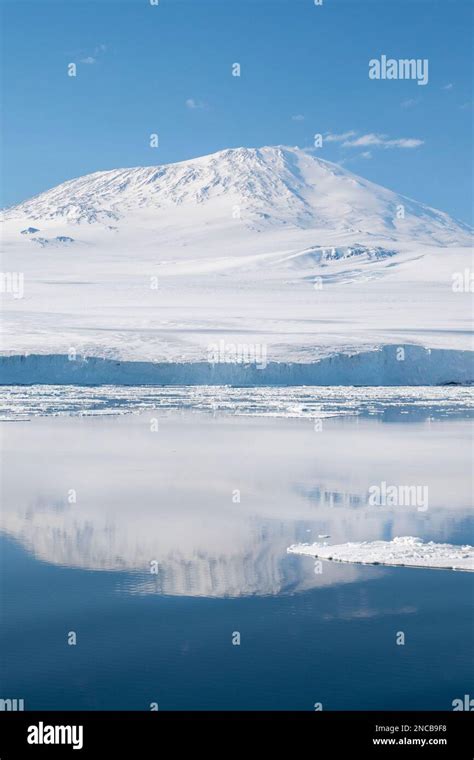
[{"x": 408, "y": 551}]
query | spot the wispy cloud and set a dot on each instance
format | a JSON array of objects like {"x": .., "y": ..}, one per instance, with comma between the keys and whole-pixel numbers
[
  {"x": 352, "y": 139},
  {"x": 93, "y": 57},
  {"x": 381, "y": 141},
  {"x": 298, "y": 117},
  {"x": 366, "y": 156},
  {"x": 193, "y": 104},
  {"x": 448, "y": 86},
  {"x": 409, "y": 103},
  {"x": 339, "y": 138}
]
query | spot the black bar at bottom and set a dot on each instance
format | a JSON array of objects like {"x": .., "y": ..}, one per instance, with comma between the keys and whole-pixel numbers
[{"x": 378, "y": 734}]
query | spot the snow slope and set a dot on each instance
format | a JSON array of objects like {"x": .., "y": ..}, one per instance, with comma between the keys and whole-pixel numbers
[{"x": 270, "y": 248}]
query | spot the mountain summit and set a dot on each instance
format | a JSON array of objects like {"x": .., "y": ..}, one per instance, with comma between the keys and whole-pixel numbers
[{"x": 259, "y": 189}]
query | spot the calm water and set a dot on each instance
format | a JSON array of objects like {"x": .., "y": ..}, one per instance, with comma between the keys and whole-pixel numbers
[{"x": 209, "y": 503}]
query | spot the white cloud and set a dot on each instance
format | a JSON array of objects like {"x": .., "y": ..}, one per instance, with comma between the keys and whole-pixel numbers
[
  {"x": 298, "y": 117},
  {"x": 339, "y": 138},
  {"x": 381, "y": 141},
  {"x": 409, "y": 103},
  {"x": 405, "y": 142},
  {"x": 193, "y": 104},
  {"x": 91, "y": 59},
  {"x": 366, "y": 155},
  {"x": 448, "y": 86}
]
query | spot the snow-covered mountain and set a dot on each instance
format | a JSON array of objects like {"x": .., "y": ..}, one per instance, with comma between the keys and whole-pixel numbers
[
  {"x": 257, "y": 188},
  {"x": 269, "y": 247}
]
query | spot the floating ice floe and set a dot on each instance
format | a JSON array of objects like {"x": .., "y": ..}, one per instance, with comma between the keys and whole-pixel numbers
[{"x": 408, "y": 551}]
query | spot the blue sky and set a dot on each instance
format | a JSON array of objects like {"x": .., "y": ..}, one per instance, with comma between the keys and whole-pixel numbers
[{"x": 166, "y": 69}]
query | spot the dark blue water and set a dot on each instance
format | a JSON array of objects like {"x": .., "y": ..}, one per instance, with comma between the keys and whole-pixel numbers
[{"x": 168, "y": 497}]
